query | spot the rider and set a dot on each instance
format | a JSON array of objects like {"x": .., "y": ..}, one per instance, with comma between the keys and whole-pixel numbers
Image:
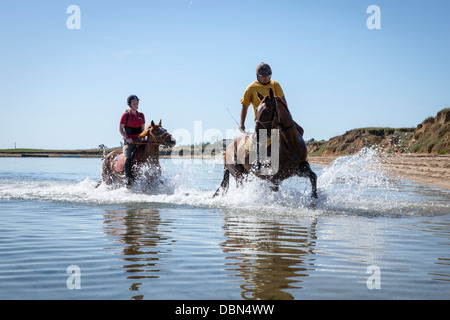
[
  {"x": 261, "y": 86},
  {"x": 132, "y": 124}
]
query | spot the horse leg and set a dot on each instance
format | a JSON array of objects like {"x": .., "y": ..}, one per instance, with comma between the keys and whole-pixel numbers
[
  {"x": 306, "y": 171},
  {"x": 99, "y": 183},
  {"x": 225, "y": 182},
  {"x": 313, "y": 178},
  {"x": 275, "y": 187},
  {"x": 274, "y": 183}
]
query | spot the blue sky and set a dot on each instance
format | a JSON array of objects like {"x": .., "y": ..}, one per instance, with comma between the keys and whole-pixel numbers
[{"x": 191, "y": 60}]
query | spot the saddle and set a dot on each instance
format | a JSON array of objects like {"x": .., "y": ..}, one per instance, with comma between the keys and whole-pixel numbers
[
  {"x": 120, "y": 160},
  {"x": 247, "y": 144},
  {"x": 250, "y": 143},
  {"x": 120, "y": 163}
]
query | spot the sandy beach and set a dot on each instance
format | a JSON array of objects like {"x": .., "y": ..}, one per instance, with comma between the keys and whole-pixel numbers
[{"x": 432, "y": 170}]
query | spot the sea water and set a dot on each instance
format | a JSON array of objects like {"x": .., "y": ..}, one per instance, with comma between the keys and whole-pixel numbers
[{"x": 367, "y": 236}]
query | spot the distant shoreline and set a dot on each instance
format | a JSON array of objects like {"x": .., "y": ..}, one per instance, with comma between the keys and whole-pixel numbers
[
  {"x": 56, "y": 155},
  {"x": 42, "y": 153},
  {"x": 88, "y": 153}
]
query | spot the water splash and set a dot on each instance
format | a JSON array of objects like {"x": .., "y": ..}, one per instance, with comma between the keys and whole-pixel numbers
[
  {"x": 352, "y": 185},
  {"x": 360, "y": 184}
]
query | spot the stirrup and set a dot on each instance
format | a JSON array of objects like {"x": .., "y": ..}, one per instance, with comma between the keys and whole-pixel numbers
[
  {"x": 256, "y": 166},
  {"x": 129, "y": 182}
]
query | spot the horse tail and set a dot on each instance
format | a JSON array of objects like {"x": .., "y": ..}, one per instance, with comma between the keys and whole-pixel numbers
[{"x": 106, "y": 171}]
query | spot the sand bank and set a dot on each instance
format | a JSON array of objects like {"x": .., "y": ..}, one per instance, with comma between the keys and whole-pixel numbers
[{"x": 432, "y": 170}]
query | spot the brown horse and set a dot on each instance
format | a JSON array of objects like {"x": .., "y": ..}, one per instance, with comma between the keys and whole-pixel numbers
[
  {"x": 291, "y": 156},
  {"x": 147, "y": 154}
]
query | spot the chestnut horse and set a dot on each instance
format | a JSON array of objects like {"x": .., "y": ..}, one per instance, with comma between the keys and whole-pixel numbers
[
  {"x": 151, "y": 138},
  {"x": 291, "y": 156}
]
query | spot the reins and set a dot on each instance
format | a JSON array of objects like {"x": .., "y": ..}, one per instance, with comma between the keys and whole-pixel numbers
[
  {"x": 277, "y": 115},
  {"x": 158, "y": 140}
]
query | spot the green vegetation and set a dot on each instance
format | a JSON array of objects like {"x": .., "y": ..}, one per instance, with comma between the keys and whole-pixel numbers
[{"x": 431, "y": 136}]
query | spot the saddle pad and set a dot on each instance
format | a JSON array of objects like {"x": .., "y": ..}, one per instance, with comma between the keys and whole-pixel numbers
[
  {"x": 120, "y": 163},
  {"x": 250, "y": 144}
]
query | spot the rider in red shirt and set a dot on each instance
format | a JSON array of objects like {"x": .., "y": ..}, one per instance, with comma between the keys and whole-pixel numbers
[{"x": 132, "y": 123}]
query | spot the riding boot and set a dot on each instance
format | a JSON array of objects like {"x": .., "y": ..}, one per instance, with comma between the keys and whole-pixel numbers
[
  {"x": 256, "y": 166},
  {"x": 128, "y": 152},
  {"x": 127, "y": 170}
]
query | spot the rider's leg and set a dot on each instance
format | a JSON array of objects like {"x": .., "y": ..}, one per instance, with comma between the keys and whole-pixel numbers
[{"x": 127, "y": 152}]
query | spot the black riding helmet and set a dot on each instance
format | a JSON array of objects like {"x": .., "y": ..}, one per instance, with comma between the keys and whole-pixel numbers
[
  {"x": 263, "y": 70},
  {"x": 131, "y": 98}
]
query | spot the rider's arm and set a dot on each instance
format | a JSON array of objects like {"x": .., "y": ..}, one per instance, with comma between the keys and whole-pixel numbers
[
  {"x": 143, "y": 124},
  {"x": 123, "y": 133},
  {"x": 245, "y": 102},
  {"x": 243, "y": 116}
]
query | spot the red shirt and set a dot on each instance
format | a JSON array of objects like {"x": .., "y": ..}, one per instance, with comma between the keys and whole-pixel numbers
[{"x": 134, "y": 121}]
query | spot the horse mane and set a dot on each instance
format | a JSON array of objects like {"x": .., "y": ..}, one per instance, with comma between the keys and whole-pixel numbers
[
  {"x": 284, "y": 104},
  {"x": 144, "y": 133},
  {"x": 149, "y": 128}
]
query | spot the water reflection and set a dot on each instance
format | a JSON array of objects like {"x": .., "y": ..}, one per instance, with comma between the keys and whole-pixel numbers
[
  {"x": 139, "y": 235},
  {"x": 269, "y": 257}
]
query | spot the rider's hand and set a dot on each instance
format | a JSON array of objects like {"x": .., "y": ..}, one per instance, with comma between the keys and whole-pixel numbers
[
  {"x": 242, "y": 128},
  {"x": 129, "y": 140}
]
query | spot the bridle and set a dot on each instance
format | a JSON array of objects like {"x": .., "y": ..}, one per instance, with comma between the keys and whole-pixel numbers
[
  {"x": 159, "y": 139},
  {"x": 275, "y": 115}
]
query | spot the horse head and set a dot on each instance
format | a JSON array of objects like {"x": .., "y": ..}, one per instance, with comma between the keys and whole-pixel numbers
[
  {"x": 156, "y": 134},
  {"x": 267, "y": 116}
]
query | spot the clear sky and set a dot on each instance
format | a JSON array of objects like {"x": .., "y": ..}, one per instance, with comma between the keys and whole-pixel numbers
[{"x": 191, "y": 60}]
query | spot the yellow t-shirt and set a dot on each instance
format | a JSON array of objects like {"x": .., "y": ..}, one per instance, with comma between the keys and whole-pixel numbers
[{"x": 251, "y": 96}]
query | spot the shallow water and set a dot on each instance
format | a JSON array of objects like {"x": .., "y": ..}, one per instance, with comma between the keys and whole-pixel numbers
[{"x": 176, "y": 242}]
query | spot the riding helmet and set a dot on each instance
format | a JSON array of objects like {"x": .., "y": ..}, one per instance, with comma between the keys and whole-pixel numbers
[
  {"x": 263, "y": 69},
  {"x": 131, "y": 98}
]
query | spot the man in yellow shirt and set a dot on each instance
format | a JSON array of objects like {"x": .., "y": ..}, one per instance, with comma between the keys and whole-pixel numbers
[{"x": 261, "y": 86}]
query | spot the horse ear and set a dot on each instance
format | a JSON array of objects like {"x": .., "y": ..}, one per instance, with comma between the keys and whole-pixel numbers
[
  {"x": 160, "y": 120},
  {"x": 271, "y": 93},
  {"x": 153, "y": 124},
  {"x": 260, "y": 96}
]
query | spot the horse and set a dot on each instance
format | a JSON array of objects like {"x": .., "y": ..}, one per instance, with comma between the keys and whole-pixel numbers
[
  {"x": 151, "y": 138},
  {"x": 272, "y": 113}
]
